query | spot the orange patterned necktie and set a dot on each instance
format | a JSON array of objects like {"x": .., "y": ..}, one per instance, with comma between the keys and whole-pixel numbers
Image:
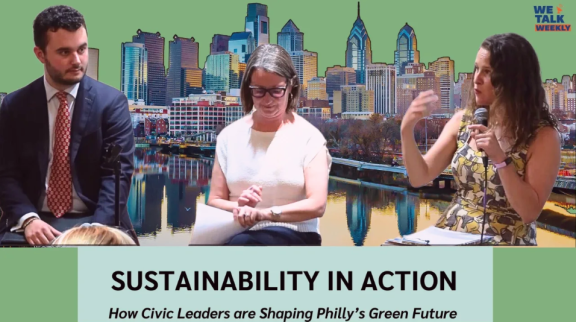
[{"x": 60, "y": 182}]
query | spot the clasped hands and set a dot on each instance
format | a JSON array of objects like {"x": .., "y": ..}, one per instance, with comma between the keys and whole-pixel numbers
[{"x": 246, "y": 212}]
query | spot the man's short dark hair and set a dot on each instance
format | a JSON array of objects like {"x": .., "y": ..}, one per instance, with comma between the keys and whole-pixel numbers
[{"x": 54, "y": 18}]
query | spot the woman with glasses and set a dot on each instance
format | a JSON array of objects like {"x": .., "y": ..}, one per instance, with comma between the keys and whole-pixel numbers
[{"x": 271, "y": 167}]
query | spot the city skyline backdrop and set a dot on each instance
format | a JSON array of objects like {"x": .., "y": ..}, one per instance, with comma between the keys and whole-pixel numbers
[{"x": 330, "y": 45}]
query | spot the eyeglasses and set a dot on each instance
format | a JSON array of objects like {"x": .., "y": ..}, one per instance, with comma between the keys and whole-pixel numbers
[{"x": 259, "y": 92}]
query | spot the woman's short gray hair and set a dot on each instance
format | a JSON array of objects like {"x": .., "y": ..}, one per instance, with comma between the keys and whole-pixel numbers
[{"x": 273, "y": 59}]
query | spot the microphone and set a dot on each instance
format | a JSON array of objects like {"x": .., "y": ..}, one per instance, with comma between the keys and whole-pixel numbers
[{"x": 481, "y": 117}]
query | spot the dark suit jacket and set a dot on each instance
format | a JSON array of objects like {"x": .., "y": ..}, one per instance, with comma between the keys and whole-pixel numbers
[{"x": 100, "y": 117}]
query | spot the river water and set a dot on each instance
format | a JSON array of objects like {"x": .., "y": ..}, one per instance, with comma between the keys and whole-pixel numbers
[{"x": 166, "y": 189}]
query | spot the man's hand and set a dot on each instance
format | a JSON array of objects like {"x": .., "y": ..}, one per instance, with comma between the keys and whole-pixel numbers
[{"x": 40, "y": 233}]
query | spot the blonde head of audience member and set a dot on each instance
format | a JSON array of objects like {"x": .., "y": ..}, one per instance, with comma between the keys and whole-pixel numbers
[{"x": 93, "y": 235}]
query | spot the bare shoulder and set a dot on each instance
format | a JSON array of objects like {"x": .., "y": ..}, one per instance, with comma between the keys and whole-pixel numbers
[
  {"x": 547, "y": 140},
  {"x": 453, "y": 126},
  {"x": 458, "y": 115},
  {"x": 457, "y": 118}
]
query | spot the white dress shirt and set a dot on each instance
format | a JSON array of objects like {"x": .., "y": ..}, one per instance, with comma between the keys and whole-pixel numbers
[{"x": 53, "y": 106}]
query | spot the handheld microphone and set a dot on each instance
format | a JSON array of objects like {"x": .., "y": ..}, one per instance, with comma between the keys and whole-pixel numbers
[{"x": 481, "y": 117}]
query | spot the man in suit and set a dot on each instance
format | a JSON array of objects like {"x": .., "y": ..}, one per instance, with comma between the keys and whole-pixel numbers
[{"x": 53, "y": 136}]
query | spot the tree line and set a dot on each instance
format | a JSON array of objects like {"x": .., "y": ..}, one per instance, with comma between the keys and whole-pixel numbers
[{"x": 376, "y": 139}]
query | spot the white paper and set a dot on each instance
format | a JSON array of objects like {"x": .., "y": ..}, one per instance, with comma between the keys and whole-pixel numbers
[
  {"x": 438, "y": 236},
  {"x": 213, "y": 226}
]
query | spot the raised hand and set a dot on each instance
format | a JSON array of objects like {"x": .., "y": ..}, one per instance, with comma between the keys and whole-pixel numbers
[{"x": 421, "y": 107}]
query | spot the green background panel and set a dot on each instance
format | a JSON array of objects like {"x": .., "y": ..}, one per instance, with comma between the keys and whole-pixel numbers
[
  {"x": 39, "y": 284},
  {"x": 451, "y": 28},
  {"x": 536, "y": 284}
]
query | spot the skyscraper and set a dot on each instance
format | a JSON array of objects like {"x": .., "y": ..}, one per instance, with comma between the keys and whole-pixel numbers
[
  {"x": 241, "y": 72},
  {"x": 444, "y": 69},
  {"x": 555, "y": 94},
  {"x": 571, "y": 103},
  {"x": 548, "y": 89},
  {"x": 414, "y": 68},
  {"x": 574, "y": 82},
  {"x": 242, "y": 44},
  {"x": 567, "y": 86},
  {"x": 222, "y": 72},
  {"x": 406, "y": 49},
  {"x": 134, "y": 74},
  {"x": 317, "y": 89},
  {"x": 355, "y": 99},
  {"x": 219, "y": 43},
  {"x": 381, "y": 79},
  {"x": 184, "y": 76},
  {"x": 306, "y": 64},
  {"x": 467, "y": 80},
  {"x": 337, "y": 76},
  {"x": 93, "y": 57},
  {"x": 459, "y": 90},
  {"x": 408, "y": 86},
  {"x": 566, "y": 82},
  {"x": 358, "y": 50},
  {"x": 290, "y": 37},
  {"x": 257, "y": 23},
  {"x": 154, "y": 44}
]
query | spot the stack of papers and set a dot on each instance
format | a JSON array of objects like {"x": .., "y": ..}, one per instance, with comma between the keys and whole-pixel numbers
[
  {"x": 213, "y": 226},
  {"x": 434, "y": 236}
]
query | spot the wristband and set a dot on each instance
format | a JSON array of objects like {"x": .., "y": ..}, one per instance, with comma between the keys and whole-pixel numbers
[
  {"x": 28, "y": 222},
  {"x": 503, "y": 164}
]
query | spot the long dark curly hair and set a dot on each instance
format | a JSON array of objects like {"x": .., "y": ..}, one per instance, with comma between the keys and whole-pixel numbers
[{"x": 520, "y": 105}]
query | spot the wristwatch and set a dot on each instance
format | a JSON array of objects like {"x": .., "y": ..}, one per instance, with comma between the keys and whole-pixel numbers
[
  {"x": 276, "y": 212},
  {"x": 503, "y": 164}
]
